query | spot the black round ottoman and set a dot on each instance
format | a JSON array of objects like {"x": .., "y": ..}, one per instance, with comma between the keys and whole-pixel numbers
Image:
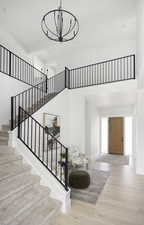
[{"x": 79, "y": 179}]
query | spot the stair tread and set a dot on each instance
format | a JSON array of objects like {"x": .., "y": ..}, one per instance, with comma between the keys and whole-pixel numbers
[
  {"x": 6, "y": 149},
  {"x": 5, "y": 127},
  {"x": 3, "y": 142},
  {"x": 43, "y": 212},
  {"x": 4, "y": 133},
  {"x": 5, "y": 158},
  {"x": 16, "y": 183},
  {"x": 4, "y": 137},
  {"x": 12, "y": 169},
  {"x": 21, "y": 203}
]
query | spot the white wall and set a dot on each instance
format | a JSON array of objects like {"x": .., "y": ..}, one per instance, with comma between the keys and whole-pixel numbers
[
  {"x": 94, "y": 55},
  {"x": 82, "y": 55},
  {"x": 104, "y": 135},
  {"x": 77, "y": 121},
  {"x": 92, "y": 132},
  {"x": 128, "y": 136},
  {"x": 117, "y": 111},
  {"x": 8, "y": 87},
  {"x": 8, "y": 41},
  {"x": 59, "y": 106},
  {"x": 140, "y": 96},
  {"x": 140, "y": 43}
]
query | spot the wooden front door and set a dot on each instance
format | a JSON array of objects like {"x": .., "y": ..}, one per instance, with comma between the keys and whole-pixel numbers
[{"x": 116, "y": 126}]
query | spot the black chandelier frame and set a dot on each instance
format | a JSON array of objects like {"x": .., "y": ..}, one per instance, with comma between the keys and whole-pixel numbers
[{"x": 60, "y": 37}]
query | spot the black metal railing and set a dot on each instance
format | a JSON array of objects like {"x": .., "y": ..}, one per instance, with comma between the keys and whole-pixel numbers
[
  {"x": 37, "y": 96},
  {"x": 101, "y": 73},
  {"x": 67, "y": 77},
  {"x": 56, "y": 84},
  {"x": 53, "y": 156},
  {"x": 39, "y": 140},
  {"x": 16, "y": 67}
]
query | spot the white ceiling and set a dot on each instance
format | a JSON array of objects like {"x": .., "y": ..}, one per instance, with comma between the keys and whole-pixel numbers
[{"x": 101, "y": 22}]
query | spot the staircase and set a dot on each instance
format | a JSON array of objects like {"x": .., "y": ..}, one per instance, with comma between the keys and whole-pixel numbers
[{"x": 23, "y": 201}]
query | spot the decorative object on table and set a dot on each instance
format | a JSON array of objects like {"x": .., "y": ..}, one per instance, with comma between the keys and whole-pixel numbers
[
  {"x": 79, "y": 179},
  {"x": 60, "y": 25},
  {"x": 52, "y": 124},
  {"x": 55, "y": 122},
  {"x": 77, "y": 159}
]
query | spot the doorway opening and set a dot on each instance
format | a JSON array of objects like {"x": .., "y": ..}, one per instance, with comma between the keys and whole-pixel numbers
[{"x": 126, "y": 139}]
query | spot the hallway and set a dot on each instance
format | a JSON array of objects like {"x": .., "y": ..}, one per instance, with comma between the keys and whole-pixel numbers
[{"x": 121, "y": 201}]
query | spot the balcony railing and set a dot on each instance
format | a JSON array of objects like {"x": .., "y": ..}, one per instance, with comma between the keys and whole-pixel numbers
[
  {"x": 110, "y": 71},
  {"x": 16, "y": 67}
]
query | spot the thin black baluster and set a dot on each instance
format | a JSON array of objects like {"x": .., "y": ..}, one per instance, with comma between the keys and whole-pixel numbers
[
  {"x": 11, "y": 64},
  {"x": 28, "y": 131},
  {"x": 18, "y": 69},
  {"x": 66, "y": 169},
  {"x": 0, "y": 58},
  {"x": 37, "y": 98},
  {"x": 16, "y": 110},
  {"x": 60, "y": 161},
  {"x": 15, "y": 75},
  {"x": 52, "y": 153},
  {"x": 127, "y": 68},
  {"x": 121, "y": 70},
  {"x": 24, "y": 127},
  {"x": 12, "y": 113},
  {"x": 43, "y": 144},
  {"x": 35, "y": 143},
  {"x": 109, "y": 74},
  {"x": 103, "y": 73},
  {"x": 47, "y": 149},
  {"x": 31, "y": 134},
  {"x": 82, "y": 77},
  {"x": 56, "y": 157},
  {"x": 94, "y": 73},
  {"x": 114, "y": 70},
  {"x": 29, "y": 101},
  {"x": 39, "y": 142},
  {"x": 134, "y": 66},
  {"x": 97, "y": 74}
]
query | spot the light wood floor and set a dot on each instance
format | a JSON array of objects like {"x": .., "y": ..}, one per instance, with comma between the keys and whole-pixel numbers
[{"x": 120, "y": 203}]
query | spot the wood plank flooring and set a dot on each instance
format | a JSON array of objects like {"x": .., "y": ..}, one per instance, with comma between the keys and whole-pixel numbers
[{"x": 121, "y": 202}]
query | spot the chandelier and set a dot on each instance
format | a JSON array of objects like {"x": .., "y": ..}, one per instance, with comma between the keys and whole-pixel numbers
[{"x": 60, "y": 25}]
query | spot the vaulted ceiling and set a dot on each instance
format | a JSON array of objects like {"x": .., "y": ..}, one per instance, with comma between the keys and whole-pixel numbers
[{"x": 101, "y": 22}]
